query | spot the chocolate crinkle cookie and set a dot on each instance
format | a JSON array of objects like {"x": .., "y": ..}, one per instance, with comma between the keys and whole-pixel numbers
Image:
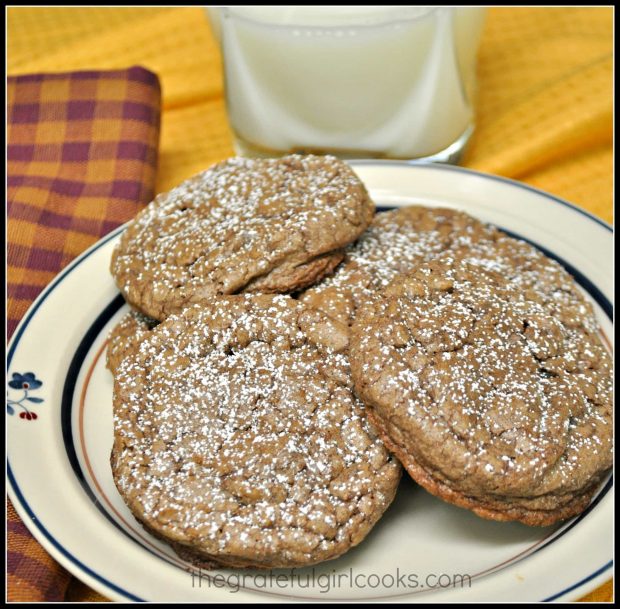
[
  {"x": 244, "y": 225},
  {"x": 490, "y": 383},
  {"x": 238, "y": 438},
  {"x": 396, "y": 242}
]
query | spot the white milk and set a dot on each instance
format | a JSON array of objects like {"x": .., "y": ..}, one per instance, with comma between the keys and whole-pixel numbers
[{"x": 360, "y": 81}]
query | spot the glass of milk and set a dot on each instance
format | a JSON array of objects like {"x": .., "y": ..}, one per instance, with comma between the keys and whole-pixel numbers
[{"x": 355, "y": 81}]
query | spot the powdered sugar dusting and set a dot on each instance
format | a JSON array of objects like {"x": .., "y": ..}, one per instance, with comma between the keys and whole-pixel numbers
[
  {"x": 127, "y": 334},
  {"x": 396, "y": 242},
  {"x": 238, "y": 434},
  {"x": 491, "y": 357},
  {"x": 236, "y": 224}
]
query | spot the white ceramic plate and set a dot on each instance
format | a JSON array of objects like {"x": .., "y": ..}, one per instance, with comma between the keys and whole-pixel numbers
[{"x": 423, "y": 549}]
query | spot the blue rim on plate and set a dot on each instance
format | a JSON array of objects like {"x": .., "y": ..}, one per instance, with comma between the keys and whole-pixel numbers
[{"x": 86, "y": 342}]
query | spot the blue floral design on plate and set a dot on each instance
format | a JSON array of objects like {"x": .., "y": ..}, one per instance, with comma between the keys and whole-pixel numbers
[{"x": 25, "y": 382}]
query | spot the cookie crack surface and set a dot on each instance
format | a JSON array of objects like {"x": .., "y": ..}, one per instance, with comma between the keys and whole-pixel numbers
[
  {"x": 262, "y": 457},
  {"x": 245, "y": 221},
  {"x": 494, "y": 389}
]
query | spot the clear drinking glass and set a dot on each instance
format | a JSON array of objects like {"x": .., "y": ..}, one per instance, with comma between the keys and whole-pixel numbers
[{"x": 366, "y": 81}]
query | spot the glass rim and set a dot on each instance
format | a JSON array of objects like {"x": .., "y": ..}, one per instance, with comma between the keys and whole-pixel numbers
[{"x": 393, "y": 16}]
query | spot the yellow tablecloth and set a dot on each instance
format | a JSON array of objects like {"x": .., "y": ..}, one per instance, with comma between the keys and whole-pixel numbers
[{"x": 544, "y": 114}]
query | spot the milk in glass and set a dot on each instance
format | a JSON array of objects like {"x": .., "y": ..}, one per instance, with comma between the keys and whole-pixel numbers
[{"x": 395, "y": 82}]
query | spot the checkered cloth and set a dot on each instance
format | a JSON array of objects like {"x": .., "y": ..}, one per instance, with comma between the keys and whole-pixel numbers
[{"x": 82, "y": 155}]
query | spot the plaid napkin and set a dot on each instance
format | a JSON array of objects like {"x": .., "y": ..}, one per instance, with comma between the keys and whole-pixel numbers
[{"x": 82, "y": 155}]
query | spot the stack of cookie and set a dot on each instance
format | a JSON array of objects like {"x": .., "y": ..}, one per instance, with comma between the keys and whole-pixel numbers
[{"x": 287, "y": 349}]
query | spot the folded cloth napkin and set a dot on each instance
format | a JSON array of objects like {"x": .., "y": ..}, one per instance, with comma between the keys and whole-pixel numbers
[{"x": 81, "y": 156}]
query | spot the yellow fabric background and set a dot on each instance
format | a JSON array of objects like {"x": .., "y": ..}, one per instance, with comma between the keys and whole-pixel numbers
[{"x": 544, "y": 113}]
